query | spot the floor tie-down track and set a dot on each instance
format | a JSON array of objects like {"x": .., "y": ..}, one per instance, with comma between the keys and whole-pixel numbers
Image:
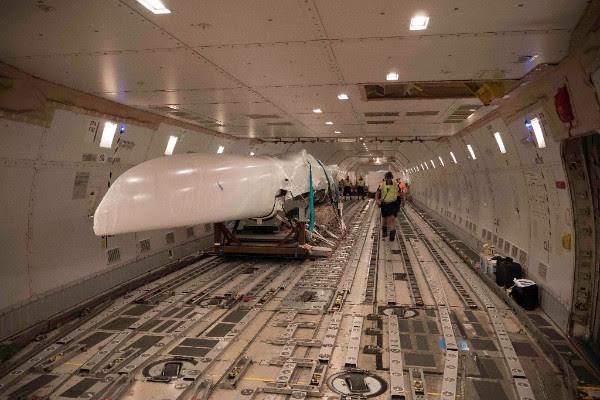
[{"x": 378, "y": 319}]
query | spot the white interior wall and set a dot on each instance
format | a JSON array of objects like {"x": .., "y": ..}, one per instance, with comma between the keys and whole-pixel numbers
[
  {"x": 46, "y": 236},
  {"x": 513, "y": 196}
]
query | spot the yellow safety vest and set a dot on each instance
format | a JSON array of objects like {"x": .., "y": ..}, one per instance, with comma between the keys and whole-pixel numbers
[{"x": 389, "y": 193}]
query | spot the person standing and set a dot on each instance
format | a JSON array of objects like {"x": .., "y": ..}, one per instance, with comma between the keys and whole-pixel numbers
[
  {"x": 360, "y": 188},
  {"x": 387, "y": 199},
  {"x": 347, "y": 188}
]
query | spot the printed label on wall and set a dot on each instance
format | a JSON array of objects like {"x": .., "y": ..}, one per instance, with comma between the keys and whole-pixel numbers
[{"x": 80, "y": 187}]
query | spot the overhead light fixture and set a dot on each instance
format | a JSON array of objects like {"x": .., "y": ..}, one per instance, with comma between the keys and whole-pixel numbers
[
  {"x": 108, "y": 134},
  {"x": 471, "y": 152},
  {"x": 328, "y": 123},
  {"x": 171, "y": 145},
  {"x": 500, "y": 142},
  {"x": 453, "y": 158},
  {"x": 536, "y": 125},
  {"x": 419, "y": 22},
  {"x": 343, "y": 96},
  {"x": 441, "y": 161},
  {"x": 432, "y": 164},
  {"x": 392, "y": 76},
  {"x": 251, "y": 154},
  {"x": 317, "y": 110},
  {"x": 426, "y": 165},
  {"x": 155, "y": 6},
  {"x": 220, "y": 150},
  {"x": 337, "y": 131}
]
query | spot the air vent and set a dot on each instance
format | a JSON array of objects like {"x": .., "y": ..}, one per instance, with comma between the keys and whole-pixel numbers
[
  {"x": 422, "y": 113},
  {"x": 262, "y": 116},
  {"x": 144, "y": 246},
  {"x": 189, "y": 232},
  {"x": 387, "y": 122},
  {"x": 462, "y": 113},
  {"x": 113, "y": 255},
  {"x": 382, "y": 114},
  {"x": 542, "y": 271},
  {"x": 170, "y": 237},
  {"x": 524, "y": 59},
  {"x": 207, "y": 227},
  {"x": 280, "y": 124}
]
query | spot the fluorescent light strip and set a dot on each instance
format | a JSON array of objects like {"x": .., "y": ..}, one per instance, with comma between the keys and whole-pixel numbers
[
  {"x": 155, "y": 6},
  {"x": 441, "y": 161},
  {"x": 171, "y": 145},
  {"x": 432, "y": 164},
  {"x": 500, "y": 142},
  {"x": 470, "y": 148},
  {"x": 538, "y": 132},
  {"x": 453, "y": 158},
  {"x": 343, "y": 96},
  {"x": 220, "y": 150},
  {"x": 108, "y": 134},
  {"x": 252, "y": 154},
  {"x": 317, "y": 110}
]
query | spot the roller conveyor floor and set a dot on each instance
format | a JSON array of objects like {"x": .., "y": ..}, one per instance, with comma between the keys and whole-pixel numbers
[{"x": 405, "y": 319}]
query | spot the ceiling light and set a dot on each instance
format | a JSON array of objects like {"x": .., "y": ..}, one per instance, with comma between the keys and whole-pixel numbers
[
  {"x": 328, "y": 123},
  {"x": 337, "y": 132},
  {"x": 426, "y": 165},
  {"x": 441, "y": 161},
  {"x": 220, "y": 150},
  {"x": 171, "y": 145},
  {"x": 500, "y": 142},
  {"x": 539, "y": 132},
  {"x": 419, "y": 22},
  {"x": 155, "y": 6},
  {"x": 317, "y": 110},
  {"x": 108, "y": 134},
  {"x": 252, "y": 154},
  {"x": 471, "y": 152},
  {"x": 432, "y": 164},
  {"x": 392, "y": 76},
  {"x": 343, "y": 96}
]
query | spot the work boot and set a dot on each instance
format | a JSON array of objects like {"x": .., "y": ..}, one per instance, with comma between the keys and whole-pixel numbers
[
  {"x": 384, "y": 231},
  {"x": 392, "y": 235}
]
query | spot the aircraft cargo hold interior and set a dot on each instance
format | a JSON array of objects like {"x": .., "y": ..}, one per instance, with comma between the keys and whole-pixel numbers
[{"x": 293, "y": 199}]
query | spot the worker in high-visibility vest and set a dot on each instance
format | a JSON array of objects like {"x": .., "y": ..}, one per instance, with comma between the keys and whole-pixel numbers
[
  {"x": 387, "y": 199},
  {"x": 360, "y": 188}
]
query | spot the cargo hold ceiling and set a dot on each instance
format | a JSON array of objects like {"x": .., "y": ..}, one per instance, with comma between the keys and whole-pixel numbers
[{"x": 262, "y": 69}]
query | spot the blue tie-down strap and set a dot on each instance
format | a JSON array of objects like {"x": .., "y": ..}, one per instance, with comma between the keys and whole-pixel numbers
[{"x": 311, "y": 202}]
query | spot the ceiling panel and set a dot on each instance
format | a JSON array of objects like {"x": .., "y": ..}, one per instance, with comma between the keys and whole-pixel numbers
[
  {"x": 275, "y": 64},
  {"x": 65, "y": 26},
  {"x": 184, "y": 96},
  {"x": 384, "y": 18},
  {"x": 147, "y": 70},
  {"x": 303, "y": 99},
  {"x": 230, "y": 112},
  {"x": 209, "y": 22},
  {"x": 447, "y": 58}
]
